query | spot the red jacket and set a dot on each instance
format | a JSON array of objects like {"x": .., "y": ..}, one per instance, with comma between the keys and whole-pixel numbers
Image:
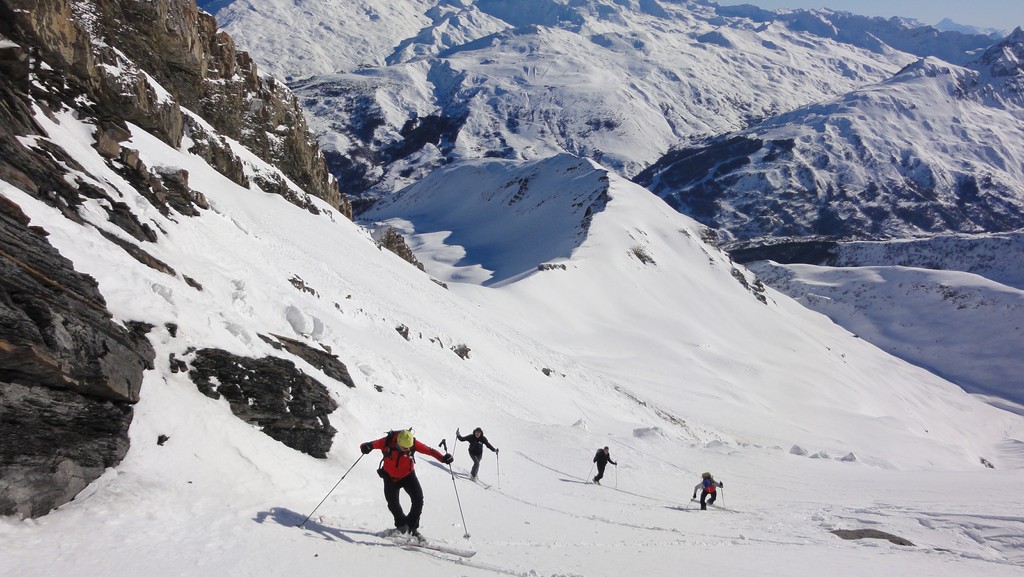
[{"x": 399, "y": 464}]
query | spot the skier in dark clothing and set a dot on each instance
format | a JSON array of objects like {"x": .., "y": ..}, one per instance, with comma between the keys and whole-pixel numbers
[
  {"x": 476, "y": 447},
  {"x": 707, "y": 487},
  {"x": 602, "y": 458},
  {"x": 398, "y": 471}
]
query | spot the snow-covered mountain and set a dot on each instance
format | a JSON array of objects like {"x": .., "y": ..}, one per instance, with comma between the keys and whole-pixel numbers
[
  {"x": 580, "y": 311},
  {"x": 647, "y": 340},
  {"x": 617, "y": 82},
  {"x": 950, "y": 303},
  {"x": 948, "y": 25},
  {"x": 933, "y": 149},
  {"x": 345, "y": 35}
]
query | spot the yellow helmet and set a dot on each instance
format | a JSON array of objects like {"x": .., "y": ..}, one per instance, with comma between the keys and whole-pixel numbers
[{"x": 405, "y": 439}]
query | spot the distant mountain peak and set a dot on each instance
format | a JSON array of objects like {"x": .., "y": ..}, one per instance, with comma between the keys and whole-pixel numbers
[
  {"x": 947, "y": 25},
  {"x": 1005, "y": 58}
]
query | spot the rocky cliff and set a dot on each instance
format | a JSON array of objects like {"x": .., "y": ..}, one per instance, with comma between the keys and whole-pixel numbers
[
  {"x": 109, "y": 50},
  {"x": 69, "y": 372}
]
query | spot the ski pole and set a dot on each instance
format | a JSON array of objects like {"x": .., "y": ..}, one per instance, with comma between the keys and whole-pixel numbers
[
  {"x": 497, "y": 462},
  {"x": 616, "y": 476},
  {"x": 303, "y": 523},
  {"x": 722, "y": 489},
  {"x": 588, "y": 477},
  {"x": 459, "y": 501}
]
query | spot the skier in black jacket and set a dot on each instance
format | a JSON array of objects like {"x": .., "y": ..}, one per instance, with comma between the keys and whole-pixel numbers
[
  {"x": 602, "y": 458},
  {"x": 476, "y": 447}
]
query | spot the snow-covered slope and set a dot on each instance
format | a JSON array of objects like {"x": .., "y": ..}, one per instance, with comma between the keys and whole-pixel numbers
[
  {"x": 646, "y": 341},
  {"x": 934, "y": 149},
  {"x": 669, "y": 305},
  {"x": 654, "y": 309},
  {"x": 997, "y": 257},
  {"x": 527, "y": 225},
  {"x": 961, "y": 326},
  {"x": 581, "y": 312},
  {"x": 295, "y": 39}
]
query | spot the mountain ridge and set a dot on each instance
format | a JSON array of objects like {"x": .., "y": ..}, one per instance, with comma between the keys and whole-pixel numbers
[{"x": 847, "y": 175}]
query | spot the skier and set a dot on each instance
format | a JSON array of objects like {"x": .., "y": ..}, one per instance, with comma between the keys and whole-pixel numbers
[
  {"x": 397, "y": 469},
  {"x": 602, "y": 458},
  {"x": 476, "y": 447},
  {"x": 707, "y": 486}
]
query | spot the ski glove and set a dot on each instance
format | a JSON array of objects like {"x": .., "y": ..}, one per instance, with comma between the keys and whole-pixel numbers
[
  {"x": 495, "y": 451},
  {"x": 366, "y": 448},
  {"x": 447, "y": 459},
  {"x": 694, "y": 495},
  {"x": 721, "y": 485}
]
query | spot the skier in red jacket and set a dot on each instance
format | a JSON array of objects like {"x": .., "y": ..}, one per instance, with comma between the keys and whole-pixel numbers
[
  {"x": 398, "y": 471},
  {"x": 707, "y": 487}
]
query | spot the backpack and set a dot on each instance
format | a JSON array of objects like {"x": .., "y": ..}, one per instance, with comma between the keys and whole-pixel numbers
[{"x": 389, "y": 443}]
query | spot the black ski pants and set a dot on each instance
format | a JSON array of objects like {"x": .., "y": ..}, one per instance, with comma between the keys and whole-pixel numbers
[
  {"x": 476, "y": 462},
  {"x": 704, "y": 495},
  {"x": 411, "y": 485},
  {"x": 600, "y": 471}
]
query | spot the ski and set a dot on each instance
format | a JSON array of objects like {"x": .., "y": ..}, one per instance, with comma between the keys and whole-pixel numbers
[
  {"x": 422, "y": 543},
  {"x": 711, "y": 507},
  {"x": 468, "y": 477}
]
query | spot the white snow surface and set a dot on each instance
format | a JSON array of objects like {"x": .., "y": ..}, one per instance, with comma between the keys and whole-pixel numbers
[
  {"x": 645, "y": 342},
  {"x": 959, "y": 325}
]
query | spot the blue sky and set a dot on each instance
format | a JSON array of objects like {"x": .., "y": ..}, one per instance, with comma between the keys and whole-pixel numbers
[{"x": 999, "y": 14}]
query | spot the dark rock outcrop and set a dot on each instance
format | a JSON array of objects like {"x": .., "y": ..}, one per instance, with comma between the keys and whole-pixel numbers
[
  {"x": 68, "y": 374},
  {"x": 179, "y": 46},
  {"x": 395, "y": 242},
  {"x": 327, "y": 362},
  {"x": 851, "y": 534},
  {"x": 271, "y": 393}
]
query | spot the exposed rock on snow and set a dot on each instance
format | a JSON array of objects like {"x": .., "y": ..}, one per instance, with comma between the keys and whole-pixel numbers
[
  {"x": 850, "y": 534},
  {"x": 329, "y": 363},
  {"x": 271, "y": 393}
]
